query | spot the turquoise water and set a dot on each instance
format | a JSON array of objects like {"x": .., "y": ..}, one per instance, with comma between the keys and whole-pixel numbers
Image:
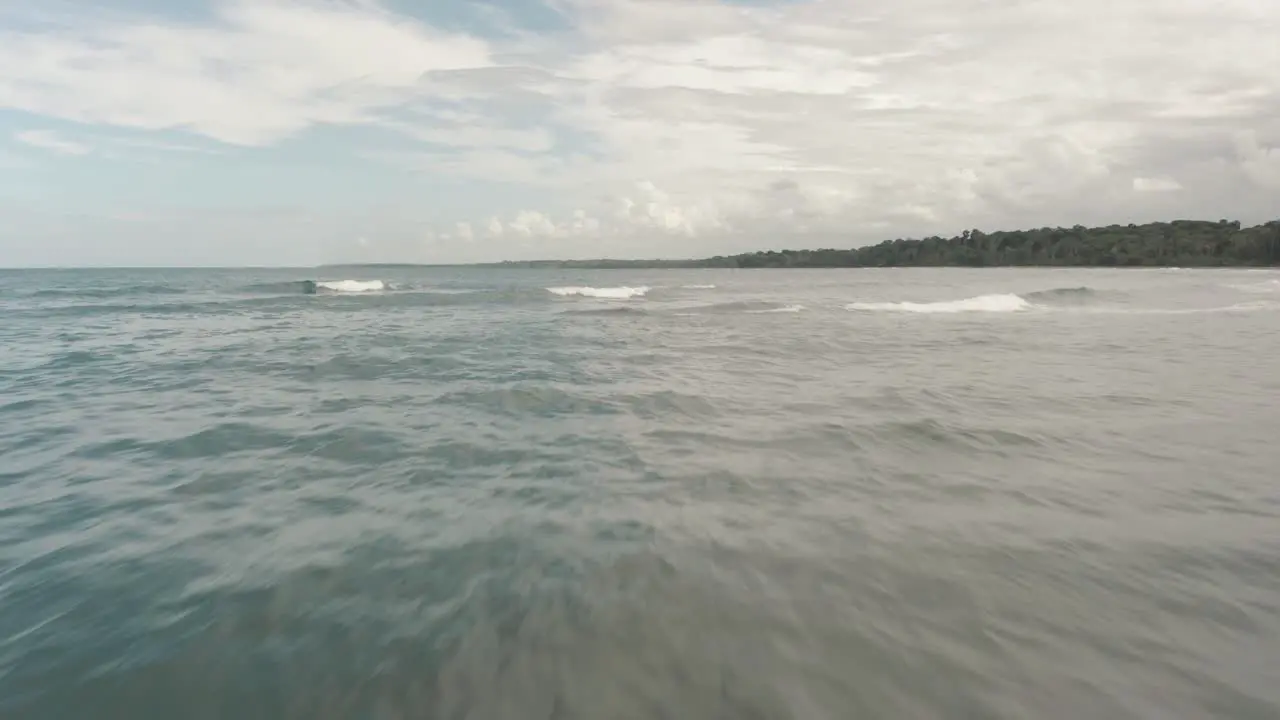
[{"x": 477, "y": 493}]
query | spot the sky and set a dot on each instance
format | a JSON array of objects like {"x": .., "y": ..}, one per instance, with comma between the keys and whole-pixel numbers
[{"x": 302, "y": 132}]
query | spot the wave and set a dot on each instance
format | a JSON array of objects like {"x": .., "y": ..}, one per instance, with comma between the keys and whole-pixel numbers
[
  {"x": 449, "y": 291},
  {"x": 783, "y": 309},
  {"x": 352, "y": 286},
  {"x": 698, "y": 287},
  {"x": 1248, "y": 307},
  {"x": 1002, "y": 303},
  {"x": 1070, "y": 294},
  {"x": 108, "y": 292},
  {"x": 612, "y": 311},
  {"x": 1267, "y": 286},
  {"x": 314, "y": 287},
  {"x": 287, "y": 287},
  {"x": 749, "y": 307},
  {"x": 611, "y": 293}
]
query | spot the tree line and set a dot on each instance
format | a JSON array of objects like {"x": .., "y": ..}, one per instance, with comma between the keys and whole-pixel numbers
[{"x": 1181, "y": 243}]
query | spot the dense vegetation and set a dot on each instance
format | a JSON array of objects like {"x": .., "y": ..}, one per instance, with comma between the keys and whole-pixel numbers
[{"x": 1183, "y": 243}]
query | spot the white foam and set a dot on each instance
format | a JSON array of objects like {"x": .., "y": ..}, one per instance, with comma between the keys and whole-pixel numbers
[
  {"x": 1267, "y": 286},
  {"x": 353, "y": 286},
  {"x": 1236, "y": 308},
  {"x": 612, "y": 293},
  {"x": 983, "y": 303},
  {"x": 786, "y": 309},
  {"x": 1252, "y": 307},
  {"x": 699, "y": 287}
]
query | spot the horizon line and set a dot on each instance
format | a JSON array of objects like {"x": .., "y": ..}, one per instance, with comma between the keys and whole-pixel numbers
[{"x": 638, "y": 260}]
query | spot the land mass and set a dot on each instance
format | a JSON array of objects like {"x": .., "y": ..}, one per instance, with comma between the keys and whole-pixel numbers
[{"x": 1181, "y": 243}]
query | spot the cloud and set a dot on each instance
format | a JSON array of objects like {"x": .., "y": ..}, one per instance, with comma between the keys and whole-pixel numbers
[
  {"x": 829, "y": 118},
  {"x": 495, "y": 228},
  {"x": 1157, "y": 184},
  {"x": 52, "y": 142},
  {"x": 1261, "y": 164},
  {"x": 530, "y": 223},
  {"x": 637, "y": 127},
  {"x": 266, "y": 70},
  {"x": 481, "y": 136},
  {"x": 735, "y": 64}
]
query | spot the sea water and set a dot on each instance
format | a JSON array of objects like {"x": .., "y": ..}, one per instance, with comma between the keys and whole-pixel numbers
[{"x": 495, "y": 493}]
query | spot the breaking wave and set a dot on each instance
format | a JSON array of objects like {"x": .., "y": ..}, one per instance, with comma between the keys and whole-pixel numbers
[
  {"x": 1001, "y": 303},
  {"x": 313, "y": 287},
  {"x": 351, "y": 286},
  {"x": 1065, "y": 299},
  {"x": 611, "y": 293}
]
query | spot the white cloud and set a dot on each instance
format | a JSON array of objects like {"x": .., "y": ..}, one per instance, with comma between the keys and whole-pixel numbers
[
  {"x": 883, "y": 120},
  {"x": 651, "y": 208},
  {"x": 107, "y": 145},
  {"x": 583, "y": 224},
  {"x": 51, "y": 141},
  {"x": 735, "y": 64},
  {"x": 1261, "y": 164},
  {"x": 266, "y": 70},
  {"x": 457, "y": 130},
  {"x": 1156, "y": 184},
  {"x": 529, "y": 223},
  {"x": 709, "y": 126},
  {"x": 495, "y": 228}
]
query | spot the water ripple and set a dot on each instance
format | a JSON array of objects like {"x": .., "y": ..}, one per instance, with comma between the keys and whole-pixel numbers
[{"x": 461, "y": 495}]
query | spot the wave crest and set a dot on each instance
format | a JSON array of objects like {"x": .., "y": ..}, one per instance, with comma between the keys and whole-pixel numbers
[
  {"x": 1063, "y": 294},
  {"x": 284, "y": 287},
  {"x": 1001, "y": 303},
  {"x": 611, "y": 293},
  {"x": 108, "y": 292},
  {"x": 351, "y": 286}
]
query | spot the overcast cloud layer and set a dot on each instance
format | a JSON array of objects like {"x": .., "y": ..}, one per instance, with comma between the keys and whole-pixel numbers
[{"x": 153, "y": 132}]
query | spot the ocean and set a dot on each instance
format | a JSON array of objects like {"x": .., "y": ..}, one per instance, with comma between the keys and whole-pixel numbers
[{"x": 499, "y": 493}]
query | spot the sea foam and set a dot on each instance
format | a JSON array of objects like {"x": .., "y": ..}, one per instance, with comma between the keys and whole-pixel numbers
[
  {"x": 612, "y": 293},
  {"x": 352, "y": 286},
  {"x": 1002, "y": 303},
  {"x": 1266, "y": 286}
]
